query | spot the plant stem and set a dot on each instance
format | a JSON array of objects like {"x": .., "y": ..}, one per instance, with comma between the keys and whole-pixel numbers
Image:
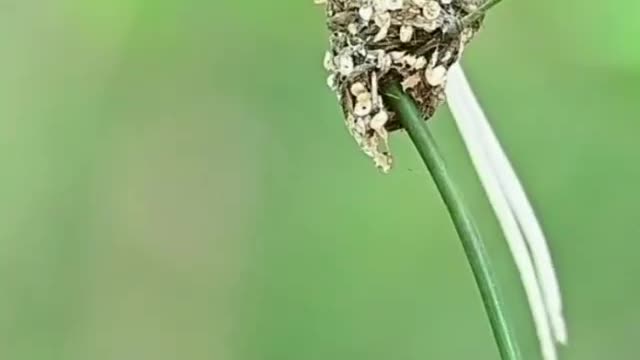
[
  {"x": 412, "y": 120},
  {"x": 480, "y": 11}
]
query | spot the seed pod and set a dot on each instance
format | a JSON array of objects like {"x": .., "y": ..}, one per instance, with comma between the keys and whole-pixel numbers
[{"x": 374, "y": 43}]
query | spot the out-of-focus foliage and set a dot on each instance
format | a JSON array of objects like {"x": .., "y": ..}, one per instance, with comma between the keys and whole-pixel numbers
[{"x": 176, "y": 182}]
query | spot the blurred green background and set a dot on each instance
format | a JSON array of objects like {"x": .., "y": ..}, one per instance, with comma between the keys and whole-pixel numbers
[{"x": 176, "y": 183}]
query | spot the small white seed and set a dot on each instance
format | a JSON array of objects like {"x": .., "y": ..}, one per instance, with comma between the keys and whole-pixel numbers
[
  {"x": 363, "y": 97},
  {"x": 397, "y": 56},
  {"x": 411, "y": 82},
  {"x": 436, "y": 76},
  {"x": 394, "y": 4},
  {"x": 379, "y": 120},
  {"x": 345, "y": 63},
  {"x": 406, "y": 33},
  {"x": 384, "y": 61},
  {"x": 410, "y": 60},
  {"x": 358, "y": 88},
  {"x": 431, "y": 10},
  {"x": 363, "y": 108},
  {"x": 366, "y": 13},
  {"x": 421, "y": 62},
  {"x": 382, "y": 34},
  {"x": 383, "y": 19},
  {"x": 352, "y": 28}
]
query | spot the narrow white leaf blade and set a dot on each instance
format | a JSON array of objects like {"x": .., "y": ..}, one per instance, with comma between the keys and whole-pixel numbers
[
  {"x": 521, "y": 207},
  {"x": 472, "y": 136}
]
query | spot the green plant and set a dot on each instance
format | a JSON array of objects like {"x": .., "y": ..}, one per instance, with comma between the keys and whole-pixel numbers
[{"x": 406, "y": 50}]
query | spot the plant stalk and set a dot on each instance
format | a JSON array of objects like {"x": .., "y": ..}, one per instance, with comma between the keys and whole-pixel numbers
[
  {"x": 413, "y": 121},
  {"x": 479, "y": 12}
]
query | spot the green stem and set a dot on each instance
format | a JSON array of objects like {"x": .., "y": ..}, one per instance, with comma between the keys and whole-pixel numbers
[
  {"x": 412, "y": 120},
  {"x": 480, "y": 11}
]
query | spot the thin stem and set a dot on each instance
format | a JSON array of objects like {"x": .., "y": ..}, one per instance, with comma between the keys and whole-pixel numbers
[
  {"x": 412, "y": 120},
  {"x": 480, "y": 11}
]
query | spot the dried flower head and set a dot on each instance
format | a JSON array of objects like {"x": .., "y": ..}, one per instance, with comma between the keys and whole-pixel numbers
[{"x": 377, "y": 42}]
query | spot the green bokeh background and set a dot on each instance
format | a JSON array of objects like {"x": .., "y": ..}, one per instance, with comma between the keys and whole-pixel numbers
[{"x": 176, "y": 183}]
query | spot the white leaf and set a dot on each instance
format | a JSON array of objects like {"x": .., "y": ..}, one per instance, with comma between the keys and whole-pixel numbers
[{"x": 515, "y": 214}]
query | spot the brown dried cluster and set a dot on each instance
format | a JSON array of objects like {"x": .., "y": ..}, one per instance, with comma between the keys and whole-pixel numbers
[{"x": 377, "y": 42}]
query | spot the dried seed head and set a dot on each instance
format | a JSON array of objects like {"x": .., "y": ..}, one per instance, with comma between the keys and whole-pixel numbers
[
  {"x": 406, "y": 33},
  {"x": 378, "y": 42}
]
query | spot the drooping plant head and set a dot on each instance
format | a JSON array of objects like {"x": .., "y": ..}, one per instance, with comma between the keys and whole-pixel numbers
[{"x": 374, "y": 43}]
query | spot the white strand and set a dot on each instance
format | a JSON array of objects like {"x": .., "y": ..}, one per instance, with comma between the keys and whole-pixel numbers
[
  {"x": 521, "y": 207},
  {"x": 460, "y": 104}
]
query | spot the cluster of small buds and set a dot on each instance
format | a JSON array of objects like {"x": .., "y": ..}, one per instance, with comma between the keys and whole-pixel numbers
[{"x": 375, "y": 43}]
